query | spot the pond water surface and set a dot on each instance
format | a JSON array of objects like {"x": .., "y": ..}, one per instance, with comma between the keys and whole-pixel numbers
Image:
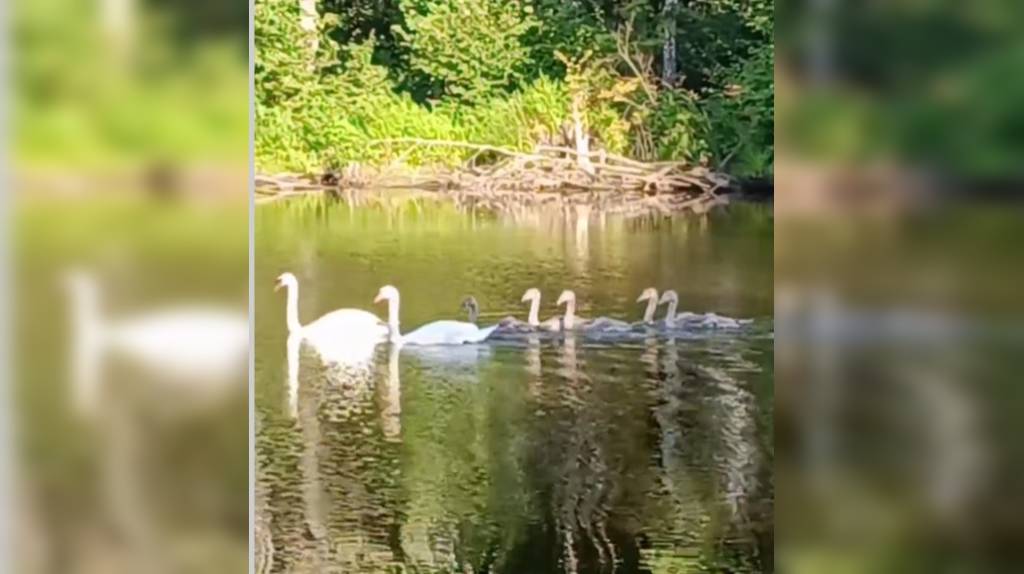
[{"x": 535, "y": 454}]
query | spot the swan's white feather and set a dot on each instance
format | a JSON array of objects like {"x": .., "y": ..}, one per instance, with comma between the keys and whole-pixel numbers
[
  {"x": 345, "y": 325},
  {"x": 190, "y": 342},
  {"x": 448, "y": 333}
]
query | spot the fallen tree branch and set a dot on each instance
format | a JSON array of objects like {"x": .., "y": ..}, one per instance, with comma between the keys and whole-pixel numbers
[{"x": 549, "y": 175}]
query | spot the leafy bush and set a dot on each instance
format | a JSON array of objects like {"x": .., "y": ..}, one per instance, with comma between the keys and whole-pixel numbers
[
  {"x": 679, "y": 128},
  {"x": 742, "y": 115},
  {"x": 507, "y": 74},
  {"x": 470, "y": 49}
]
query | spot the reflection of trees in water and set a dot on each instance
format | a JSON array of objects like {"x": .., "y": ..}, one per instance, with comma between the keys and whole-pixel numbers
[
  {"x": 710, "y": 424},
  {"x": 339, "y": 460},
  {"x": 539, "y": 461},
  {"x": 574, "y": 469},
  {"x": 588, "y": 461},
  {"x": 455, "y": 461},
  {"x": 262, "y": 536},
  {"x": 357, "y": 465},
  {"x": 580, "y": 494},
  {"x": 683, "y": 446}
]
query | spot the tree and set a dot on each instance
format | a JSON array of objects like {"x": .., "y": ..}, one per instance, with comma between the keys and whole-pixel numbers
[{"x": 468, "y": 49}]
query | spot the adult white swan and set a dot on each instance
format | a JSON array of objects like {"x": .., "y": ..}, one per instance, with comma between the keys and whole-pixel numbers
[
  {"x": 201, "y": 348},
  {"x": 436, "y": 333},
  {"x": 341, "y": 325}
]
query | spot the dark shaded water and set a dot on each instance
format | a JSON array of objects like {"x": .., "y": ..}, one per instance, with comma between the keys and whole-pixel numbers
[{"x": 533, "y": 455}]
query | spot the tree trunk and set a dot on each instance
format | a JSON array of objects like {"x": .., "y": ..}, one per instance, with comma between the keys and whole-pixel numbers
[
  {"x": 118, "y": 21},
  {"x": 668, "y": 47},
  {"x": 581, "y": 137},
  {"x": 309, "y": 22}
]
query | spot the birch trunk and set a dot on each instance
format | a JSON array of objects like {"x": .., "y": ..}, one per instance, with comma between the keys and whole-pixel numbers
[
  {"x": 309, "y": 20},
  {"x": 581, "y": 137},
  {"x": 668, "y": 47},
  {"x": 118, "y": 21}
]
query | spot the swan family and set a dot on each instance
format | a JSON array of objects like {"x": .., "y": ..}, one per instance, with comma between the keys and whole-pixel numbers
[{"x": 359, "y": 325}]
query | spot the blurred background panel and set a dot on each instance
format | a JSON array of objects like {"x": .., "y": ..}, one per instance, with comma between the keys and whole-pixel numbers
[
  {"x": 897, "y": 261},
  {"x": 129, "y": 155}
]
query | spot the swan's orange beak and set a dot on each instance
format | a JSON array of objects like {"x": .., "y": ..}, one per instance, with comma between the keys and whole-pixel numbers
[
  {"x": 278, "y": 284},
  {"x": 378, "y": 298}
]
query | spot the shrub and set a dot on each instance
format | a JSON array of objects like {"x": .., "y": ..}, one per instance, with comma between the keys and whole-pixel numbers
[
  {"x": 485, "y": 60},
  {"x": 469, "y": 49},
  {"x": 742, "y": 115},
  {"x": 679, "y": 127}
]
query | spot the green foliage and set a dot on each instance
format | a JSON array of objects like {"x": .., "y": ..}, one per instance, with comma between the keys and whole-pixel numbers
[
  {"x": 508, "y": 74},
  {"x": 281, "y": 70},
  {"x": 566, "y": 28},
  {"x": 679, "y": 128},
  {"x": 80, "y": 101},
  {"x": 743, "y": 115},
  {"x": 471, "y": 49},
  {"x": 714, "y": 36}
]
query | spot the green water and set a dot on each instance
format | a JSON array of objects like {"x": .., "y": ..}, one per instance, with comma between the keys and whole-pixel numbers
[
  {"x": 532, "y": 455},
  {"x": 153, "y": 475}
]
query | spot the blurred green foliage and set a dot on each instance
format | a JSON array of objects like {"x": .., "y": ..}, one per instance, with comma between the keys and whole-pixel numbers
[
  {"x": 506, "y": 73},
  {"x": 162, "y": 84},
  {"x": 935, "y": 89},
  {"x": 743, "y": 114}
]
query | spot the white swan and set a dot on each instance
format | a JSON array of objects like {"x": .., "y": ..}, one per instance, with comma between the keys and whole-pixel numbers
[
  {"x": 651, "y": 296},
  {"x": 337, "y": 332},
  {"x": 436, "y": 333},
  {"x": 707, "y": 320},
  {"x": 671, "y": 298},
  {"x": 533, "y": 320},
  {"x": 203, "y": 348},
  {"x": 570, "y": 321},
  {"x": 597, "y": 325}
]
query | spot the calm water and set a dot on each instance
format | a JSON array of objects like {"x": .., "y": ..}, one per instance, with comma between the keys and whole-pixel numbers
[{"x": 553, "y": 455}]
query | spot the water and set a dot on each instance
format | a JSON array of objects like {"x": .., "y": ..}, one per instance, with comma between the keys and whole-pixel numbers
[
  {"x": 555, "y": 454},
  {"x": 153, "y": 476}
]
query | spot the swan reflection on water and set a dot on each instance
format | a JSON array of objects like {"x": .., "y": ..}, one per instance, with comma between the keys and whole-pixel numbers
[
  {"x": 555, "y": 412},
  {"x": 140, "y": 385},
  {"x": 393, "y": 440}
]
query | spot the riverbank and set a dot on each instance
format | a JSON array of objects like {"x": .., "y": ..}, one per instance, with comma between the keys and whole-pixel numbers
[{"x": 500, "y": 179}]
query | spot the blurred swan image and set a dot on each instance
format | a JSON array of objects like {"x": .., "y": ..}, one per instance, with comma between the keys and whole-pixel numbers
[{"x": 201, "y": 348}]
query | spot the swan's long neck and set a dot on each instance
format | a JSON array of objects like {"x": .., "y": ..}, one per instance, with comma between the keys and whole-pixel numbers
[
  {"x": 670, "y": 314},
  {"x": 292, "y": 310},
  {"x": 393, "y": 326},
  {"x": 85, "y": 347},
  {"x": 652, "y": 306},
  {"x": 570, "y": 312},
  {"x": 534, "y": 319},
  {"x": 474, "y": 314}
]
